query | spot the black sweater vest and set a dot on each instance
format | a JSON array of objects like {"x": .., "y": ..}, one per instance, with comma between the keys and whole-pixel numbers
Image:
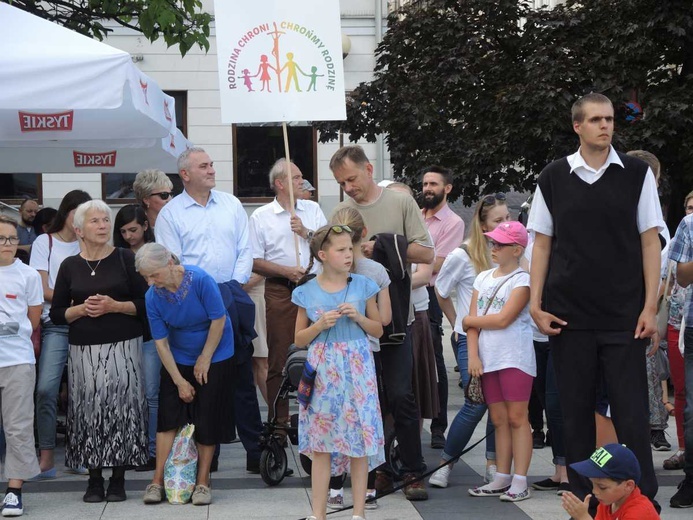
[{"x": 595, "y": 279}]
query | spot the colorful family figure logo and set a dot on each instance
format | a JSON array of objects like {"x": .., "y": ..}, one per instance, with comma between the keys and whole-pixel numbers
[{"x": 289, "y": 70}]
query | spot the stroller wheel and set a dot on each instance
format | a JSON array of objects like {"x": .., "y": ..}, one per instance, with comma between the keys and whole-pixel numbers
[
  {"x": 306, "y": 463},
  {"x": 392, "y": 455},
  {"x": 273, "y": 464}
]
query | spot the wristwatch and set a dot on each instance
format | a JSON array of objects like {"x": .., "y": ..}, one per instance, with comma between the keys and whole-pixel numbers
[{"x": 309, "y": 237}]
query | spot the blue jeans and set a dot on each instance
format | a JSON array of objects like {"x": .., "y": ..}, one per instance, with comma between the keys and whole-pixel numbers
[
  {"x": 688, "y": 411},
  {"x": 151, "y": 364},
  {"x": 54, "y": 348},
  {"x": 466, "y": 420},
  {"x": 554, "y": 416}
]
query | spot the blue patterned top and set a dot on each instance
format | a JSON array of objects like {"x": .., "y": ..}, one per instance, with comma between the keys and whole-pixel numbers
[
  {"x": 681, "y": 251},
  {"x": 184, "y": 317}
]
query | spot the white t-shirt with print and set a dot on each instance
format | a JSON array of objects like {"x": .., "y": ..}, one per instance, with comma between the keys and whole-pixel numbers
[
  {"x": 511, "y": 347},
  {"x": 40, "y": 253},
  {"x": 20, "y": 288}
]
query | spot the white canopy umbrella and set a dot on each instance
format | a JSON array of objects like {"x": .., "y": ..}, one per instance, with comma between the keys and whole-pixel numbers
[
  {"x": 56, "y": 84},
  {"x": 93, "y": 156}
]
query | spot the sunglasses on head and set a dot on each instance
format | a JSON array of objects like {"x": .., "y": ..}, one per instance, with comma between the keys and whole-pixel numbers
[
  {"x": 491, "y": 199},
  {"x": 335, "y": 229},
  {"x": 163, "y": 195}
]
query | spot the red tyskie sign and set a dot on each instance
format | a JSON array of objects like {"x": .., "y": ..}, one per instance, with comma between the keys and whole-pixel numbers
[
  {"x": 87, "y": 160},
  {"x": 61, "y": 122}
]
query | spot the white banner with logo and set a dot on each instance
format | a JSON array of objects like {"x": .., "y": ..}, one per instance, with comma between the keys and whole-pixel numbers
[{"x": 280, "y": 61}]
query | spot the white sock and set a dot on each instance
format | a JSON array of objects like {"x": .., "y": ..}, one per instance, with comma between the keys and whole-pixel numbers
[
  {"x": 336, "y": 492},
  {"x": 502, "y": 480},
  {"x": 519, "y": 484}
]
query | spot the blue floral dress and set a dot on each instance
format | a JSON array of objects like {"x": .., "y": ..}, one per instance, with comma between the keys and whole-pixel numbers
[{"x": 343, "y": 417}]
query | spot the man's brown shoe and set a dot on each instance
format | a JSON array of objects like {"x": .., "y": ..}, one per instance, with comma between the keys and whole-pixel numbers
[
  {"x": 383, "y": 483},
  {"x": 416, "y": 490}
]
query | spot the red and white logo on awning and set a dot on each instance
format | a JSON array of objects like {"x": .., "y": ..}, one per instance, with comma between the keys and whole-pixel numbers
[
  {"x": 87, "y": 160},
  {"x": 56, "y": 122},
  {"x": 167, "y": 112},
  {"x": 143, "y": 86}
]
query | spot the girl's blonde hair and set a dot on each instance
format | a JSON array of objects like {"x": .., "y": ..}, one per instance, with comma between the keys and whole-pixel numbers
[
  {"x": 350, "y": 217},
  {"x": 477, "y": 248}
]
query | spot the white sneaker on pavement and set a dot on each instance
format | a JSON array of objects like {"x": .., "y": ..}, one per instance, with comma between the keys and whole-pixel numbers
[{"x": 440, "y": 478}]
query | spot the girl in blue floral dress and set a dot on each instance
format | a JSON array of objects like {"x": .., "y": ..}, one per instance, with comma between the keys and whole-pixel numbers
[{"x": 341, "y": 429}]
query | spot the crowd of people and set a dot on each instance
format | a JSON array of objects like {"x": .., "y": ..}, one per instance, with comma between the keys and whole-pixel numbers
[{"x": 183, "y": 308}]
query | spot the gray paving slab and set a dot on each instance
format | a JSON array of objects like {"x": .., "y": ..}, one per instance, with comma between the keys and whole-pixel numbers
[{"x": 238, "y": 495}]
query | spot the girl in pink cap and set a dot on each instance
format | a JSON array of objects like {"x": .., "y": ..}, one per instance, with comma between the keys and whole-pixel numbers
[{"x": 499, "y": 337}]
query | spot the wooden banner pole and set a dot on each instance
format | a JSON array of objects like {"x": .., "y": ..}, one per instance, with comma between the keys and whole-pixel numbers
[{"x": 291, "y": 188}]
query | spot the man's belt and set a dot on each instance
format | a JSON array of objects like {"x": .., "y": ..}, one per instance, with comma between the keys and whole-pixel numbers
[{"x": 279, "y": 280}]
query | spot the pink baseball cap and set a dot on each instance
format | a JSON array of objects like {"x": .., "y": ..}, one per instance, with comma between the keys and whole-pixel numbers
[{"x": 510, "y": 233}]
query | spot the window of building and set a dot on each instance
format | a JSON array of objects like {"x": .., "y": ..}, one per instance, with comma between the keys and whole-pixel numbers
[
  {"x": 15, "y": 187},
  {"x": 255, "y": 150},
  {"x": 116, "y": 188}
]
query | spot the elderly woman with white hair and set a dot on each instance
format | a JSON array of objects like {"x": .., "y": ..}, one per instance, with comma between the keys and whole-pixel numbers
[
  {"x": 193, "y": 335},
  {"x": 153, "y": 190},
  {"x": 100, "y": 296}
]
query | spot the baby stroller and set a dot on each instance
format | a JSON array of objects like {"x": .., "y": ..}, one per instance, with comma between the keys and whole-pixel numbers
[{"x": 273, "y": 460}]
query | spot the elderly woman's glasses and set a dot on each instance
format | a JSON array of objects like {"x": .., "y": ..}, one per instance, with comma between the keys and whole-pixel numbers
[
  {"x": 335, "y": 229},
  {"x": 163, "y": 195},
  {"x": 9, "y": 240}
]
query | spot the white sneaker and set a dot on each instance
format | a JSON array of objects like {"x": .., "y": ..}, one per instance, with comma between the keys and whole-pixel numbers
[
  {"x": 373, "y": 504},
  {"x": 12, "y": 505},
  {"x": 335, "y": 502},
  {"x": 440, "y": 478},
  {"x": 490, "y": 473}
]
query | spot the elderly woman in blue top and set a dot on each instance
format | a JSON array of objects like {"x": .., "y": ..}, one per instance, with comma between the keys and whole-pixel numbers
[{"x": 193, "y": 337}]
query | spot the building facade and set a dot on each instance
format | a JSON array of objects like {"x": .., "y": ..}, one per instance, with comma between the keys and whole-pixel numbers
[{"x": 242, "y": 153}]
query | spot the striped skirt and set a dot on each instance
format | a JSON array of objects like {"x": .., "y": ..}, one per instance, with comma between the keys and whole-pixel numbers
[{"x": 107, "y": 410}]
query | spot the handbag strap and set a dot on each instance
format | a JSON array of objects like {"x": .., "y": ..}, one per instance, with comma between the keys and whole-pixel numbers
[
  {"x": 495, "y": 291},
  {"x": 667, "y": 294},
  {"x": 330, "y": 329}
]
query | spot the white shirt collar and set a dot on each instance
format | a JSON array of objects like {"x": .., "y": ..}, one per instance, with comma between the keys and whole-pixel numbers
[
  {"x": 277, "y": 208},
  {"x": 576, "y": 161},
  {"x": 189, "y": 201}
]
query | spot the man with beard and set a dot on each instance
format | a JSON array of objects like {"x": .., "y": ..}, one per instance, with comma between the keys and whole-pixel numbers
[
  {"x": 447, "y": 230},
  {"x": 25, "y": 230}
]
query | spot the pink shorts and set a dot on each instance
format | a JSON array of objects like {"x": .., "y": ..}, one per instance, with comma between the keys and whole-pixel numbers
[{"x": 509, "y": 384}]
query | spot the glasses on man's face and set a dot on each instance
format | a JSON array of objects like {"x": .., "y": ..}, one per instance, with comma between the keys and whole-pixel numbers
[
  {"x": 163, "y": 195},
  {"x": 9, "y": 240},
  {"x": 335, "y": 229}
]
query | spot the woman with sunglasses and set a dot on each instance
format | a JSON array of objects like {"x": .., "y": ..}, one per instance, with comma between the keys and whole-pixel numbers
[
  {"x": 131, "y": 230},
  {"x": 457, "y": 275},
  {"x": 153, "y": 190}
]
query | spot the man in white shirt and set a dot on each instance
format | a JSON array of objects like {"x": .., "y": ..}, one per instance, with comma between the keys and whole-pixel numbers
[
  {"x": 594, "y": 281},
  {"x": 276, "y": 237},
  {"x": 209, "y": 229}
]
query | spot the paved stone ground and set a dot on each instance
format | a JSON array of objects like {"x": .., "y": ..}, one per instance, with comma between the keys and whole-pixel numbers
[{"x": 238, "y": 495}]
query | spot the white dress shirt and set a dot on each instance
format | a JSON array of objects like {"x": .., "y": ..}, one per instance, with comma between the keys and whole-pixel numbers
[
  {"x": 213, "y": 237},
  {"x": 271, "y": 236},
  {"x": 649, "y": 210}
]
